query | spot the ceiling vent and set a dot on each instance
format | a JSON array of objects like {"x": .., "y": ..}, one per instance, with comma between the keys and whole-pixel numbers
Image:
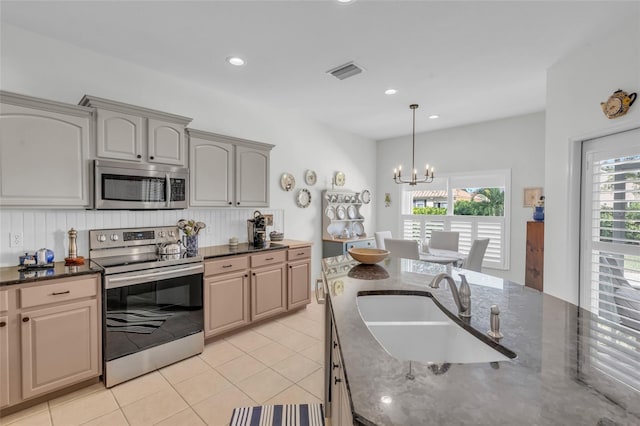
[{"x": 346, "y": 70}]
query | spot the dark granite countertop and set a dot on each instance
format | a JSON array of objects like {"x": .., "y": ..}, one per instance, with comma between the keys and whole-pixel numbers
[
  {"x": 562, "y": 375},
  {"x": 11, "y": 275},
  {"x": 243, "y": 248}
]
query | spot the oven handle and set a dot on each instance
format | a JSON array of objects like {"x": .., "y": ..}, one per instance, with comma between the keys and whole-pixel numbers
[{"x": 150, "y": 275}]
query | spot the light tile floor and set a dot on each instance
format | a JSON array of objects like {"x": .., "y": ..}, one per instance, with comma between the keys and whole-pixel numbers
[{"x": 278, "y": 362}]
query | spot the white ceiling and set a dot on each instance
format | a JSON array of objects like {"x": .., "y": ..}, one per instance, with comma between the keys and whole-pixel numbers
[{"x": 467, "y": 61}]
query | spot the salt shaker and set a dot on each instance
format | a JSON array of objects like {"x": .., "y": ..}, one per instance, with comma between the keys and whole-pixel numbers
[
  {"x": 495, "y": 323},
  {"x": 73, "y": 248}
]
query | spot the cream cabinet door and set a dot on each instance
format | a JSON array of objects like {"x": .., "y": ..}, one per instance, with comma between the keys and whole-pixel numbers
[
  {"x": 4, "y": 361},
  {"x": 299, "y": 282},
  {"x": 119, "y": 135},
  {"x": 227, "y": 303},
  {"x": 43, "y": 158},
  {"x": 59, "y": 346},
  {"x": 166, "y": 143},
  {"x": 268, "y": 292},
  {"x": 212, "y": 173},
  {"x": 252, "y": 177}
]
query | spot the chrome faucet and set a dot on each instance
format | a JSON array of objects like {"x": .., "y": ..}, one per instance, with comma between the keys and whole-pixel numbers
[{"x": 462, "y": 298}]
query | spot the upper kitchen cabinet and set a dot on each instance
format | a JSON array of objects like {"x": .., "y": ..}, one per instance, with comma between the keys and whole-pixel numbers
[
  {"x": 44, "y": 151},
  {"x": 128, "y": 132},
  {"x": 227, "y": 171}
]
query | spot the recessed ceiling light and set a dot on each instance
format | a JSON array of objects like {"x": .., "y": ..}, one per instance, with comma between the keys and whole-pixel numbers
[
  {"x": 386, "y": 399},
  {"x": 234, "y": 60},
  {"x": 345, "y": 1},
  {"x": 434, "y": 116},
  {"x": 390, "y": 92}
]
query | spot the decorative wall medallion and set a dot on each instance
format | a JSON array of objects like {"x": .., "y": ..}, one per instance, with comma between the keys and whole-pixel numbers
[
  {"x": 303, "y": 198},
  {"x": 618, "y": 104},
  {"x": 339, "y": 179},
  {"x": 310, "y": 177},
  {"x": 287, "y": 182}
]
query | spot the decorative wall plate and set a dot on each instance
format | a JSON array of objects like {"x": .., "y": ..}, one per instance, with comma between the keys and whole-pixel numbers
[
  {"x": 330, "y": 212},
  {"x": 351, "y": 212},
  {"x": 287, "y": 182},
  {"x": 303, "y": 198},
  {"x": 310, "y": 177},
  {"x": 366, "y": 196},
  {"x": 358, "y": 229},
  {"x": 340, "y": 211},
  {"x": 339, "y": 179}
]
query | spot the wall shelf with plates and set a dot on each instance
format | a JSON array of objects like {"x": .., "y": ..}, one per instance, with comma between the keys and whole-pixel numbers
[{"x": 342, "y": 222}]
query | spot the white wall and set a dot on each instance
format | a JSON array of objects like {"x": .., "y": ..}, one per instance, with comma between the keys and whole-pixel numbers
[
  {"x": 43, "y": 67},
  {"x": 575, "y": 87},
  {"x": 515, "y": 143}
]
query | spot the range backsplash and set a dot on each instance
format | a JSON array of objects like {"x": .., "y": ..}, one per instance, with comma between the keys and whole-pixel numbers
[{"x": 42, "y": 228}]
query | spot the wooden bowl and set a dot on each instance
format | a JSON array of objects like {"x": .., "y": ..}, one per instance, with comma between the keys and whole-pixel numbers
[{"x": 368, "y": 256}]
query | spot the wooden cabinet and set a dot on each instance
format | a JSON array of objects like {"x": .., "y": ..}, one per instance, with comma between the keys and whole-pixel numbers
[
  {"x": 268, "y": 285},
  {"x": 4, "y": 350},
  {"x": 44, "y": 153},
  {"x": 343, "y": 223},
  {"x": 299, "y": 277},
  {"x": 227, "y": 295},
  {"x": 332, "y": 248},
  {"x": 59, "y": 346},
  {"x": 227, "y": 171},
  {"x": 52, "y": 337},
  {"x": 535, "y": 255},
  {"x": 132, "y": 133},
  {"x": 340, "y": 402}
]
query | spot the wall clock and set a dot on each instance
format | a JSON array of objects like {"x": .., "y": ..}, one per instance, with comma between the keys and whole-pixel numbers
[
  {"x": 339, "y": 179},
  {"x": 618, "y": 104}
]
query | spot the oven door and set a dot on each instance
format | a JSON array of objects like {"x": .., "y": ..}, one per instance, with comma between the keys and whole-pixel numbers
[
  {"x": 145, "y": 309},
  {"x": 139, "y": 186}
]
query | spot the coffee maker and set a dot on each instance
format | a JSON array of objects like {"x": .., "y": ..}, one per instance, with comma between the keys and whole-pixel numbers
[{"x": 257, "y": 230}]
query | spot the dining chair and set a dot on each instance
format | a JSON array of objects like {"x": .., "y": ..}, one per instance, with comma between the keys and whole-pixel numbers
[
  {"x": 402, "y": 248},
  {"x": 444, "y": 240},
  {"x": 380, "y": 236},
  {"x": 473, "y": 262}
]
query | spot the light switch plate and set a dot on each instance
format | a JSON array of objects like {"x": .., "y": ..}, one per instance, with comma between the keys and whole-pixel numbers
[{"x": 16, "y": 239}]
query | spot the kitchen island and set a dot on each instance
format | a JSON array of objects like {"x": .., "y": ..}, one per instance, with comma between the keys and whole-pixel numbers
[{"x": 568, "y": 371}]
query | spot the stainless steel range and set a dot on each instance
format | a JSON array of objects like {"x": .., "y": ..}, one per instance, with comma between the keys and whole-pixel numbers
[{"x": 152, "y": 302}]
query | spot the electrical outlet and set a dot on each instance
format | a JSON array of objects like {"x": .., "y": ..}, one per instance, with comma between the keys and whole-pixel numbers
[{"x": 16, "y": 239}]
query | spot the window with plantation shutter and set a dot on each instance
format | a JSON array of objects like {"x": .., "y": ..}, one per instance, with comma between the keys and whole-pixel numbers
[
  {"x": 610, "y": 254},
  {"x": 476, "y": 205}
]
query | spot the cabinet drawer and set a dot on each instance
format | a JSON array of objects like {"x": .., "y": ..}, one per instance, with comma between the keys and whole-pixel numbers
[
  {"x": 58, "y": 292},
  {"x": 299, "y": 253},
  {"x": 360, "y": 244},
  {"x": 227, "y": 264},
  {"x": 4, "y": 301},
  {"x": 269, "y": 258}
]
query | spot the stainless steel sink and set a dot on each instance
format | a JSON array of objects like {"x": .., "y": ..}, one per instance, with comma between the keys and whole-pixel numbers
[{"x": 414, "y": 328}]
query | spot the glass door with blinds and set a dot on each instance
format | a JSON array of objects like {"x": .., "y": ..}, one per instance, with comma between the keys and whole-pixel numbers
[{"x": 610, "y": 257}]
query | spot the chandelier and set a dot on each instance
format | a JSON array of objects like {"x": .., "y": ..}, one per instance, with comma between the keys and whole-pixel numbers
[{"x": 428, "y": 174}]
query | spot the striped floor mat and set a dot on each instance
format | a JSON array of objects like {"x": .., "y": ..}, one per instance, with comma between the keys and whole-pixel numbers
[{"x": 279, "y": 415}]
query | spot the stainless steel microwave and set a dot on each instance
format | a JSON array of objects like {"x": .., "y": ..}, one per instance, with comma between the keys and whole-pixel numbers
[{"x": 120, "y": 185}]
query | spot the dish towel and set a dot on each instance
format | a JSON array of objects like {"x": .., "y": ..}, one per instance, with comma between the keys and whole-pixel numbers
[{"x": 279, "y": 415}]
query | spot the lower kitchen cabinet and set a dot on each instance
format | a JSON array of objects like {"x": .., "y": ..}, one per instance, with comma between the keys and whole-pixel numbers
[
  {"x": 269, "y": 292},
  {"x": 228, "y": 303},
  {"x": 339, "y": 394},
  {"x": 299, "y": 277},
  {"x": 51, "y": 337},
  {"x": 4, "y": 351}
]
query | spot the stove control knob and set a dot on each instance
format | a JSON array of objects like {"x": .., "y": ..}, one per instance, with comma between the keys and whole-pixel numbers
[
  {"x": 102, "y": 238},
  {"x": 161, "y": 234},
  {"x": 114, "y": 237},
  {"x": 172, "y": 234}
]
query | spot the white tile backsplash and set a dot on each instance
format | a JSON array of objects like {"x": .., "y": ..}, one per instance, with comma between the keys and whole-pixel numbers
[{"x": 48, "y": 228}]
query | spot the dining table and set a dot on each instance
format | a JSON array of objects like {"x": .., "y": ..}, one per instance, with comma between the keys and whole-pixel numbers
[{"x": 442, "y": 256}]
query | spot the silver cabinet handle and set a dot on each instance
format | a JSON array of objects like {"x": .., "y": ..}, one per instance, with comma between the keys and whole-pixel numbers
[
  {"x": 167, "y": 190},
  {"x": 320, "y": 300}
]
